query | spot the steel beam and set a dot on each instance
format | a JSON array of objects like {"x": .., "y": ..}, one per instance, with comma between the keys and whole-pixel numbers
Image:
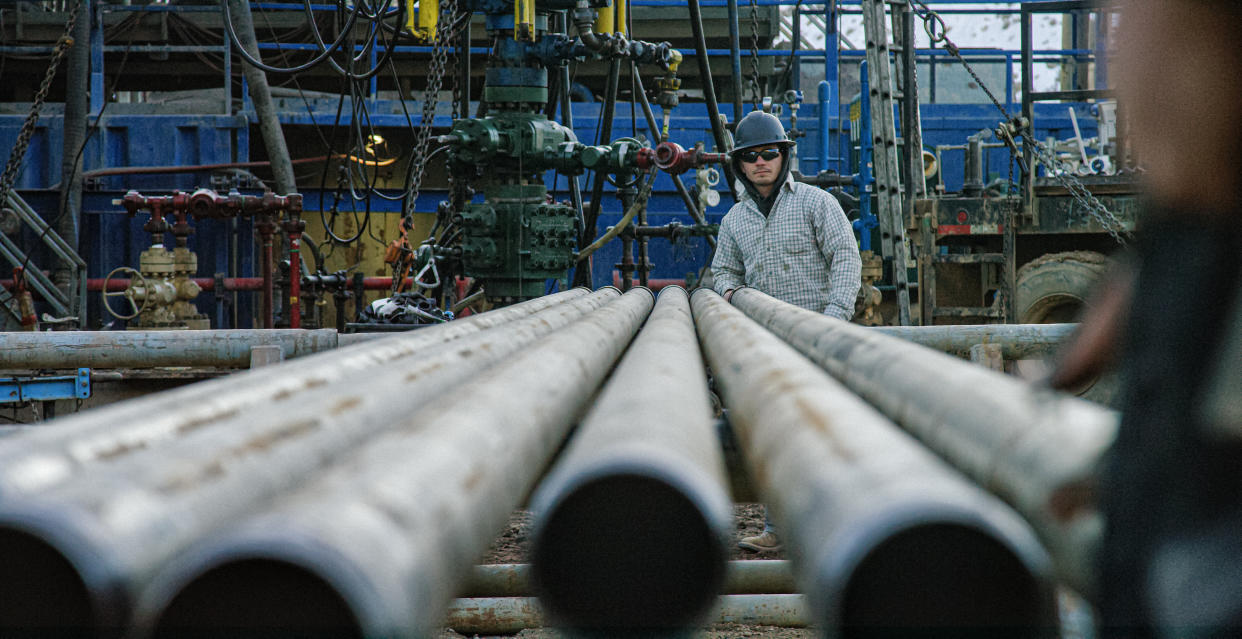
[
  {"x": 749, "y": 577},
  {"x": 1036, "y": 448},
  {"x": 51, "y": 456},
  {"x": 128, "y": 514},
  {"x": 151, "y": 349},
  {"x": 510, "y": 615},
  {"x": 885, "y": 538},
  {"x": 386, "y": 536},
  {"x": 1017, "y": 341},
  {"x": 641, "y": 485}
]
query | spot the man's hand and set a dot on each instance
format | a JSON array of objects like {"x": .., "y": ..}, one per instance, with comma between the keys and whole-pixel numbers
[{"x": 728, "y": 295}]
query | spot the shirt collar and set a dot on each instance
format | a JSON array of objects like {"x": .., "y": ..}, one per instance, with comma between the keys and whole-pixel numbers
[{"x": 743, "y": 194}]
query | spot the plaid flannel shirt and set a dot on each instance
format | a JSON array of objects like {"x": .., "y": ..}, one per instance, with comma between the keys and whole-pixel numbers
[{"x": 803, "y": 253}]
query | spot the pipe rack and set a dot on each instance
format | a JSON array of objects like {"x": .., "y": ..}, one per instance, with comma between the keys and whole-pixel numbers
[
  {"x": 349, "y": 492},
  {"x": 146, "y": 503}
]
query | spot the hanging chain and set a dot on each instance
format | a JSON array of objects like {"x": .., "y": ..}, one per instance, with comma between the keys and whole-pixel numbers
[
  {"x": 1062, "y": 173},
  {"x": 454, "y": 62},
  {"x": 933, "y": 25},
  {"x": 460, "y": 109},
  {"x": 435, "y": 78},
  {"x": 755, "y": 93},
  {"x": 14, "y": 165},
  {"x": 937, "y": 32}
]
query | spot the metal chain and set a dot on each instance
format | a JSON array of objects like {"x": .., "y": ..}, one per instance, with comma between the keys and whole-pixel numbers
[
  {"x": 1061, "y": 172},
  {"x": 933, "y": 25},
  {"x": 755, "y": 93},
  {"x": 435, "y": 78},
  {"x": 454, "y": 62},
  {"x": 14, "y": 165}
]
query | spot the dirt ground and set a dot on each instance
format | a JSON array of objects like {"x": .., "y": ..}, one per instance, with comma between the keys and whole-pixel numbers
[{"x": 512, "y": 547}]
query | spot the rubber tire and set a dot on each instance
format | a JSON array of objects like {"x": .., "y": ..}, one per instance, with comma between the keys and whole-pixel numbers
[{"x": 1053, "y": 289}]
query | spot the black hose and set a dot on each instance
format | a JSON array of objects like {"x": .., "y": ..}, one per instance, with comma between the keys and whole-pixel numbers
[
  {"x": 255, "y": 62},
  {"x": 709, "y": 88},
  {"x": 796, "y": 37},
  {"x": 735, "y": 60}
]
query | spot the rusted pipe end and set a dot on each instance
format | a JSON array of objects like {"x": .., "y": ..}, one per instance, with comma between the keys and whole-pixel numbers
[
  {"x": 54, "y": 579},
  {"x": 619, "y": 550},
  {"x": 936, "y": 571}
]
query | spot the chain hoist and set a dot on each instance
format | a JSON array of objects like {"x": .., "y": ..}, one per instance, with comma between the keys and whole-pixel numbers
[
  {"x": 934, "y": 26},
  {"x": 14, "y": 165},
  {"x": 399, "y": 253},
  {"x": 755, "y": 93},
  {"x": 435, "y": 78}
]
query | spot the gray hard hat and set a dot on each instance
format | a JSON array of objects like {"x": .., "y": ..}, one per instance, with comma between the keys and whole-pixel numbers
[{"x": 759, "y": 128}]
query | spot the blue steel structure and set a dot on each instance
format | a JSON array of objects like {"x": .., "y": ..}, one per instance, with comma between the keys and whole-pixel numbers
[
  {"x": 130, "y": 135},
  {"x": 19, "y": 390}
]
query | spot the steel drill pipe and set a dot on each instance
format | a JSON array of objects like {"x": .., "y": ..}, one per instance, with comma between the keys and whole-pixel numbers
[
  {"x": 1037, "y": 449},
  {"x": 388, "y": 534},
  {"x": 1017, "y": 341},
  {"x": 885, "y": 538},
  {"x": 122, "y": 520},
  {"x": 150, "y": 349},
  {"x": 646, "y": 452},
  {"x": 749, "y": 577},
  {"x": 510, "y": 615},
  {"x": 51, "y": 456}
]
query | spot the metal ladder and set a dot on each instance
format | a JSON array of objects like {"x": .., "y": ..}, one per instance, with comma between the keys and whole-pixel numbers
[
  {"x": 62, "y": 303},
  {"x": 890, "y": 154}
]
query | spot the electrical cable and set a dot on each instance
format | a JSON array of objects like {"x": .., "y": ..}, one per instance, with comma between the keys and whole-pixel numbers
[{"x": 325, "y": 54}]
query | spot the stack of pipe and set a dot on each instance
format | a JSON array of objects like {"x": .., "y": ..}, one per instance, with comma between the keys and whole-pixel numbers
[
  {"x": 886, "y": 539},
  {"x": 348, "y": 492},
  {"x": 97, "y": 503},
  {"x": 1036, "y": 448}
]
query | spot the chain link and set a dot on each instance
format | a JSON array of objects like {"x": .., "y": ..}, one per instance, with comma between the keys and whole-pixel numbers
[
  {"x": 435, "y": 78},
  {"x": 454, "y": 62},
  {"x": 1061, "y": 172},
  {"x": 934, "y": 26},
  {"x": 14, "y": 165},
  {"x": 755, "y": 93}
]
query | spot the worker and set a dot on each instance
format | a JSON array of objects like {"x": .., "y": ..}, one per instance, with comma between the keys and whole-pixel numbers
[
  {"x": 787, "y": 239},
  {"x": 1170, "y": 492}
]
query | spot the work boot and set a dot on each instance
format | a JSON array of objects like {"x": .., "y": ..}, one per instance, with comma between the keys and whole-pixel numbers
[{"x": 766, "y": 541}]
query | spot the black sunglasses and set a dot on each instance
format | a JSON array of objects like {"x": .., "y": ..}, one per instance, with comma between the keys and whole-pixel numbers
[{"x": 767, "y": 154}]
